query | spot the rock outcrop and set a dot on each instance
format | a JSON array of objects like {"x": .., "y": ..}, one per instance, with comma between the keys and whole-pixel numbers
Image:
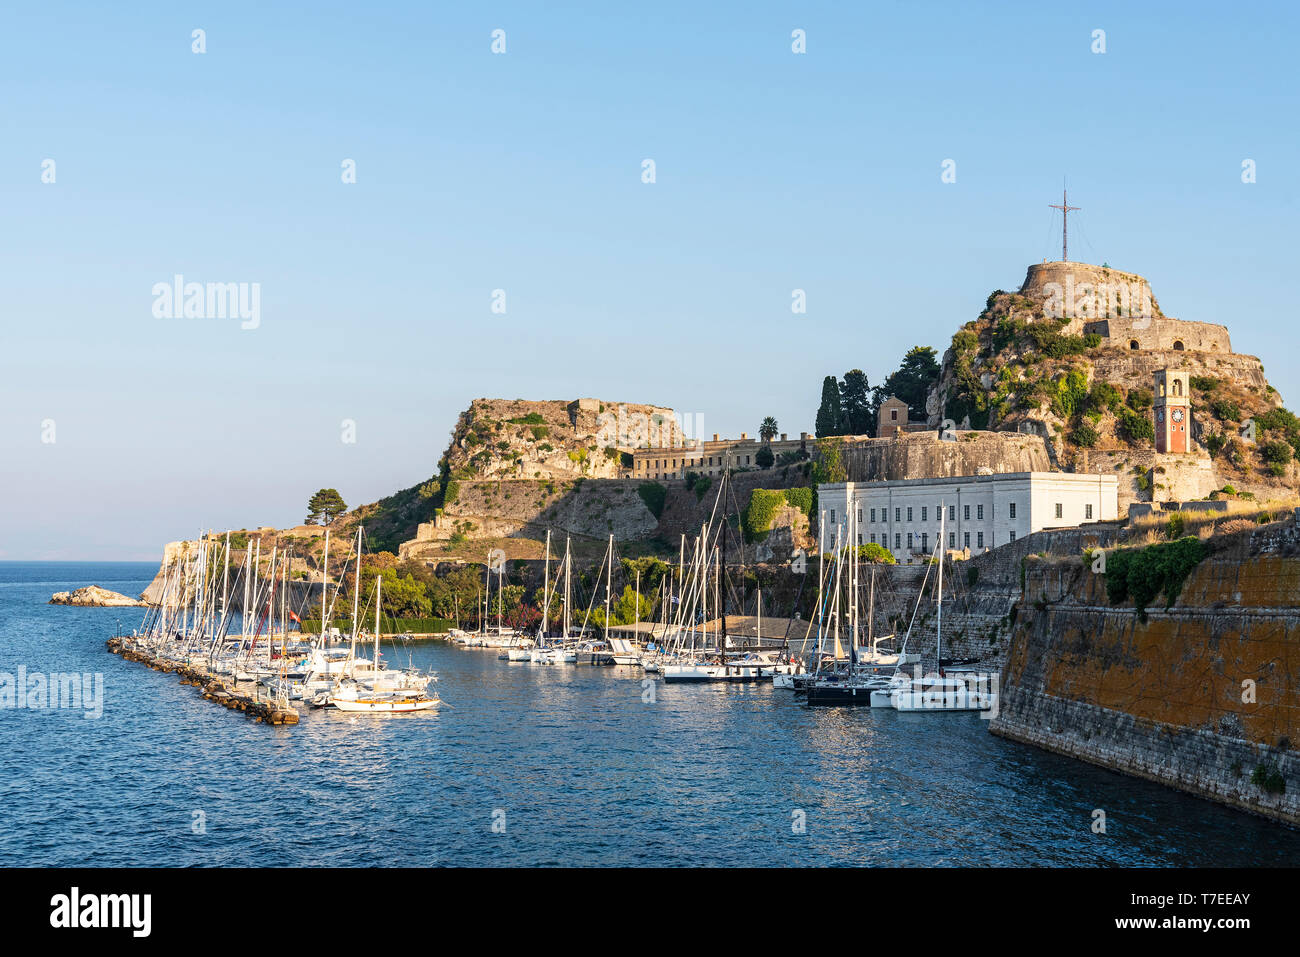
[
  {"x": 523, "y": 439},
  {"x": 92, "y": 596}
]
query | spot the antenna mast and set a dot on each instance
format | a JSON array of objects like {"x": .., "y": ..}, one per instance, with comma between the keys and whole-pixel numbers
[{"x": 1065, "y": 208}]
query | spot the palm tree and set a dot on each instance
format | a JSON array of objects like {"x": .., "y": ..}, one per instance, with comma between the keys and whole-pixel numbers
[{"x": 767, "y": 430}]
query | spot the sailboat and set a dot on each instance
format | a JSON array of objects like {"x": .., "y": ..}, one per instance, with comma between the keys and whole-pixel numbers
[
  {"x": 352, "y": 695},
  {"x": 936, "y": 691},
  {"x": 717, "y": 662}
]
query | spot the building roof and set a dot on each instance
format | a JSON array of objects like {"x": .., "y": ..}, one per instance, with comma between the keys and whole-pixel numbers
[{"x": 1089, "y": 478}]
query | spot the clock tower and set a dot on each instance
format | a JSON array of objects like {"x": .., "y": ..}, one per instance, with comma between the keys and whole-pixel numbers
[{"x": 1173, "y": 410}]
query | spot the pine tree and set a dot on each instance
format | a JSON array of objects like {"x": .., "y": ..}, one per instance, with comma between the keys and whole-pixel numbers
[
  {"x": 325, "y": 506},
  {"x": 855, "y": 399},
  {"x": 829, "y": 413}
]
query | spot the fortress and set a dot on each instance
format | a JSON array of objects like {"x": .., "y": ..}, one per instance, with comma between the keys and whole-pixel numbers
[{"x": 1118, "y": 306}]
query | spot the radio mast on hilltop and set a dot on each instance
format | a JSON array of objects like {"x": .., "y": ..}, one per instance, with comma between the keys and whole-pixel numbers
[{"x": 1065, "y": 208}]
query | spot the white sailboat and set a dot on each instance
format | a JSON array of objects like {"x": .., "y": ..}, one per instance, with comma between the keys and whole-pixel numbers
[
  {"x": 351, "y": 695},
  {"x": 936, "y": 691}
]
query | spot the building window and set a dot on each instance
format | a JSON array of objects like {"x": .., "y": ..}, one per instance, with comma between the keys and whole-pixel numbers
[
  {"x": 1011, "y": 508},
  {"x": 1058, "y": 509},
  {"x": 1087, "y": 511},
  {"x": 979, "y": 541},
  {"x": 859, "y": 519},
  {"x": 965, "y": 513},
  {"x": 873, "y": 518},
  {"x": 952, "y": 539},
  {"x": 832, "y": 516},
  {"x": 909, "y": 513},
  {"x": 965, "y": 539},
  {"x": 893, "y": 415},
  {"x": 898, "y": 541},
  {"x": 859, "y": 542},
  {"x": 898, "y": 514},
  {"x": 925, "y": 542},
  {"x": 952, "y": 513},
  {"x": 873, "y": 538},
  {"x": 979, "y": 511},
  {"x": 1011, "y": 536},
  {"x": 909, "y": 541},
  {"x": 923, "y": 511}
]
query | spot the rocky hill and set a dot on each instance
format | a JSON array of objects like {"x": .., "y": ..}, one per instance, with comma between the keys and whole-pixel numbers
[
  {"x": 1071, "y": 357},
  {"x": 520, "y": 439}
]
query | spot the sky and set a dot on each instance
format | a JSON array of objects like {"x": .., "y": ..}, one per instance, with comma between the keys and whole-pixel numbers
[{"x": 523, "y": 171}]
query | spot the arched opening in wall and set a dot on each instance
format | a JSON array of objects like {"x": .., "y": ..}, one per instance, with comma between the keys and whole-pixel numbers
[
  {"x": 1133, "y": 344},
  {"x": 1178, "y": 345}
]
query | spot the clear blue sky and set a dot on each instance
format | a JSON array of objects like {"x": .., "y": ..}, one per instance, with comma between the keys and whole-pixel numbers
[{"x": 522, "y": 171}]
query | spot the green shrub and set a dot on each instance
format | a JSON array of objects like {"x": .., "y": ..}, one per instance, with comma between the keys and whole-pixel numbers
[
  {"x": 1267, "y": 777},
  {"x": 800, "y": 498},
  {"x": 1135, "y": 428},
  {"x": 756, "y": 519},
  {"x": 876, "y": 553},
  {"x": 532, "y": 418},
  {"x": 1084, "y": 436},
  {"x": 1225, "y": 410},
  {"x": 1140, "y": 574},
  {"x": 1140, "y": 400},
  {"x": 654, "y": 495}
]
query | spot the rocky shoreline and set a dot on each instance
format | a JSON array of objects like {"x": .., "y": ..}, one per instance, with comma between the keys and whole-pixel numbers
[{"x": 92, "y": 596}]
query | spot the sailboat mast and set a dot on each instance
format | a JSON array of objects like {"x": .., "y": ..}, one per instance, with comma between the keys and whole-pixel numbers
[
  {"x": 379, "y": 590},
  {"x": 546, "y": 584},
  {"x": 356, "y": 599},
  {"x": 938, "y": 622},
  {"x": 609, "y": 580},
  {"x": 565, "y": 621},
  {"x": 225, "y": 581},
  {"x": 722, "y": 584},
  {"x": 325, "y": 595}
]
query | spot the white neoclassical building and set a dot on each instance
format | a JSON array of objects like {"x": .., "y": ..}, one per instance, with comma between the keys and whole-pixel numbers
[{"x": 983, "y": 511}]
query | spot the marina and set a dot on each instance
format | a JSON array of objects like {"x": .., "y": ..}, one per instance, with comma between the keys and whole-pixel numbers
[{"x": 583, "y": 767}]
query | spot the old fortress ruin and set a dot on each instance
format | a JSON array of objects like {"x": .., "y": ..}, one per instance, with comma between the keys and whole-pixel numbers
[{"x": 1118, "y": 306}]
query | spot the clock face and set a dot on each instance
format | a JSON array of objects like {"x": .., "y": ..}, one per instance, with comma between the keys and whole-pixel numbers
[{"x": 1178, "y": 415}]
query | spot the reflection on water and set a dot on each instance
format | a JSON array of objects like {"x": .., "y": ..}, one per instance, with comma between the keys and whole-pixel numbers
[{"x": 571, "y": 759}]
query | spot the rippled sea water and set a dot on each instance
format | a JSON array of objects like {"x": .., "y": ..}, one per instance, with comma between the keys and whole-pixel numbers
[{"x": 579, "y": 768}]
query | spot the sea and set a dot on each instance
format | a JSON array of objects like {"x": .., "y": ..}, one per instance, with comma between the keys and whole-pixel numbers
[{"x": 527, "y": 765}]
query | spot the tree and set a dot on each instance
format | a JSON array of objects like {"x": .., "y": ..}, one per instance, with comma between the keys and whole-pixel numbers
[
  {"x": 855, "y": 403},
  {"x": 911, "y": 381},
  {"x": 829, "y": 413},
  {"x": 764, "y": 457},
  {"x": 767, "y": 429},
  {"x": 325, "y": 506}
]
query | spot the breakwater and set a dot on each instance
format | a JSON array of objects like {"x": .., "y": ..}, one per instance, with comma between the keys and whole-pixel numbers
[{"x": 213, "y": 687}]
